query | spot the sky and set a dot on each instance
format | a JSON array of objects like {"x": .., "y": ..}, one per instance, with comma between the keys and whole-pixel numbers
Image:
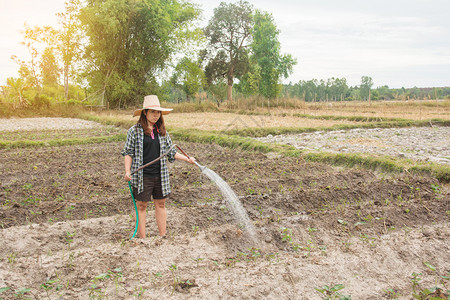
[{"x": 398, "y": 43}]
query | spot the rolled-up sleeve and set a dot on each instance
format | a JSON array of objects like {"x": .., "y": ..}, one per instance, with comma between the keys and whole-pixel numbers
[
  {"x": 128, "y": 148},
  {"x": 171, "y": 155}
]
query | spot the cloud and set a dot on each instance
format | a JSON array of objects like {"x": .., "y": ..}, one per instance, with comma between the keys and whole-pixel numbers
[{"x": 355, "y": 43}]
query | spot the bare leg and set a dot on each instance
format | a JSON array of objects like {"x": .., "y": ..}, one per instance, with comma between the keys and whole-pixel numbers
[
  {"x": 161, "y": 215},
  {"x": 142, "y": 209}
]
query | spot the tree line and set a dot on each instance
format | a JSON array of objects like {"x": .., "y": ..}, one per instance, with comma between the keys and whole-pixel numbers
[
  {"x": 113, "y": 52},
  {"x": 337, "y": 89}
]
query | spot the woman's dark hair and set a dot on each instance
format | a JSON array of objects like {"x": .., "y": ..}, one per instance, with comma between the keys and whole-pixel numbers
[{"x": 147, "y": 130}]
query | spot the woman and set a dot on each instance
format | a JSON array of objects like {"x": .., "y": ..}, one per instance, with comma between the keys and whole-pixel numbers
[{"x": 146, "y": 141}]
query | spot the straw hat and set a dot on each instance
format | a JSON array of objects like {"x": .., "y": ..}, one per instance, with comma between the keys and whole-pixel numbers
[{"x": 152, "y": 102}]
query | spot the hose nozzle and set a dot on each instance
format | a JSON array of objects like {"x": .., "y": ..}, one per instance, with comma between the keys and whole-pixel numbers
[
  {"x": 200, "y": 166},
  {"x": 185, "y": 154}
]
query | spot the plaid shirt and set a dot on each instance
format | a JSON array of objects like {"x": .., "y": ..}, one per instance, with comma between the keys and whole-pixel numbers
[{"x": 134, "y": 147}]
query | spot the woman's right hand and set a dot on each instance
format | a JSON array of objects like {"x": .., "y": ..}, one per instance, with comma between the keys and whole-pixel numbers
[{"x": 127, "y": 177}]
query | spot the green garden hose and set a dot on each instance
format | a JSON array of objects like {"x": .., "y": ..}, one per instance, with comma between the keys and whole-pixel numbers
[{"x": 135, "y": 208}]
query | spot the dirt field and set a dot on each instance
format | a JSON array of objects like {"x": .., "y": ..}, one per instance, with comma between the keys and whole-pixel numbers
[{"x": 66, "y": 220}]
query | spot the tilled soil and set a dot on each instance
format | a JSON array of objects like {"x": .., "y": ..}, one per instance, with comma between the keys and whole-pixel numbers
[{"x": 67, "y": 222}]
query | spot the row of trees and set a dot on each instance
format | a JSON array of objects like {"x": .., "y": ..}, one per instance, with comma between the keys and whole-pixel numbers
[
  {"x": 119, "y": 51},
  {"x": 337, "y": 89}
]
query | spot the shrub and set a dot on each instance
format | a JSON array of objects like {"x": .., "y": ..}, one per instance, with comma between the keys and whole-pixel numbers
[
  {"x": 73, "y": 102},
  {"x": 41, "y": 101}
]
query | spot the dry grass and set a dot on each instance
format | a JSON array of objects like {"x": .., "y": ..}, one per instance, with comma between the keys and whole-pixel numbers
[
  {"x": 413, "y": 110},
  {"x": 280, "y": 117},
  {"x": 122, "y": 115},
  {"x": 227, "y": 121}
]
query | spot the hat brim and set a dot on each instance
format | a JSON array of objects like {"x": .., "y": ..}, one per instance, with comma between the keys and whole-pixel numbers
[{"x": 164, "y": 111}]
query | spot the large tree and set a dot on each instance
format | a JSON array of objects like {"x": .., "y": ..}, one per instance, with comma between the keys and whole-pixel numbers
[
  {"x": 189, "y": 76},
  {"x": 229, "y": 34},
  {"x": 129, "y": 41},
  {"x": 68, "y": 39},
  {"x": 65, "y": 41},
  {"x": 266, "y": 53}
]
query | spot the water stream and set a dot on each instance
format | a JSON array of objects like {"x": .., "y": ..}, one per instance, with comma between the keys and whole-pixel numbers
[{"x": 231, "y": 198}]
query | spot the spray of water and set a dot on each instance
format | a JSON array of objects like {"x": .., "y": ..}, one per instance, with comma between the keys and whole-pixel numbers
[{"x": 236, "y": 206}]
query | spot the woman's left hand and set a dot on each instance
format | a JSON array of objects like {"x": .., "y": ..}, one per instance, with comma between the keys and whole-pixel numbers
[{"x": 191, "y": 160}]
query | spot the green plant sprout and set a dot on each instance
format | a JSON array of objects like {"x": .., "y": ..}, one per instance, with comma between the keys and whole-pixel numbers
[
  {"x": 69, "y": 237},
  {"x": 139, "y": 292},
  {"x": 27, "y": 186},
  {"x": 286, "y": 234},
  {"x": 369, "y": 240},
  {"x": 68, "y": 211},
  {"x": 312, "y": 230},
  {"x": 95, "y": 291},
  {"x": 155, "y": 277},
  {"x": 342, "y": 222},
  {"x": 391, "y": 293},
  {"x": 12, "y": 258},
  {"x": 254, "y": 253},
  {"x": 368, "y": 218},
  {"x": 260, "y": 210},
  {"x": 49, "y": 285},
  {"x": 175, "y": 278},
  {"x": 195, "y": 229},
  {"x": 433, "y": 293},
  {"x": 4, "y": 289},
  {"x": 331, "y": 293},
  {"x": 296, "y": 247},
  {"x": 21, "y": 293},
  {"x": 436, "y": 188},
  {"x": 272, "y": 257},
  {"x": 309, "y": 247},
  {"x": 197, "y": 260}
]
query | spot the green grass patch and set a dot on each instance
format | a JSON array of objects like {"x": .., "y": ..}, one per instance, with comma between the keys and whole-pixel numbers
[
  {"x": 441, "y": 172},
  {"x": 385, "y": 163}
]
